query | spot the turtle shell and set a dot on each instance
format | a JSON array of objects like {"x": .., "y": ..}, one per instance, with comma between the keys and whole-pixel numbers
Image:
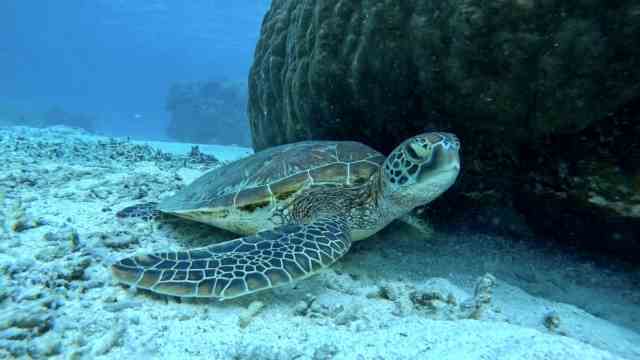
[{"x": 276, "y": 174}]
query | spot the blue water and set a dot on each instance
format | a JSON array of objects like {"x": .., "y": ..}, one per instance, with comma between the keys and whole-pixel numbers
[{"x": 117, "y": 58}]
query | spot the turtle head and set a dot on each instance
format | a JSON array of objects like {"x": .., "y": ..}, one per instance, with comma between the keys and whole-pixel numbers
[{"x": 420, "y": 169}]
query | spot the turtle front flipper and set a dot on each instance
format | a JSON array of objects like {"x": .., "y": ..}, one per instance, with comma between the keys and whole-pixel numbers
[
  {"x": 241, "y": 266},
  {"x": 147, "y": 211}
]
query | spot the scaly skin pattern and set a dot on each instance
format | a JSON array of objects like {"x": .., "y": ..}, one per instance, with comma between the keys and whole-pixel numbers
[{"x": 242, "y": 266}]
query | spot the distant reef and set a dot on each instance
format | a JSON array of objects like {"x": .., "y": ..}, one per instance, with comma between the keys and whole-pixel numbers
[
  {"x": 544, "y": 95},
  {"x": 208, "y": 112}
]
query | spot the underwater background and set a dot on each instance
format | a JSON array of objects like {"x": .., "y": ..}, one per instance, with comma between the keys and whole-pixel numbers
[
  {"x": 110, "y": 110},
  {"x": 115, "y": 61}
]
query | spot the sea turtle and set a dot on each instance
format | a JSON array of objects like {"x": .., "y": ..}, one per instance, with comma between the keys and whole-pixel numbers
[{"x": 298, "y": 206}]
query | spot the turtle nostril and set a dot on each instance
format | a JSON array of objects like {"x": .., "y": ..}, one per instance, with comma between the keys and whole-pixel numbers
[{"x": 453, "y": 141}]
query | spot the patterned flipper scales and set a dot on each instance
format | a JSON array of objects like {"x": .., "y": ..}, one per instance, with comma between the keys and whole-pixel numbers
[
  {"x": 146, "y": 211},
  {"x": 242, "y": 266}
]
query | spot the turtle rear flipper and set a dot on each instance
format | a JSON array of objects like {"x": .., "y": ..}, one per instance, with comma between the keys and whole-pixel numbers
[
  {"x": 242, "y": 266},
  {"x": 146, "y": 211}
]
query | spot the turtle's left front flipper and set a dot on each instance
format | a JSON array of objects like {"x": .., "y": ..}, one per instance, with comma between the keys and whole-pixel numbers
[
  {"x": 241, "y": 266},
  {"x": 146, "y": 211}
]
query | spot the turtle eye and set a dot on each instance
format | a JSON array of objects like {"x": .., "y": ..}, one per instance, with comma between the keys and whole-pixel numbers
[{"x": 417, "y": 151}]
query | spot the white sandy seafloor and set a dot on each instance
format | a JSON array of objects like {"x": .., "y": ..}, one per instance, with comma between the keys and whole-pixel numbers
[{"x": 395, "y": 296}]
